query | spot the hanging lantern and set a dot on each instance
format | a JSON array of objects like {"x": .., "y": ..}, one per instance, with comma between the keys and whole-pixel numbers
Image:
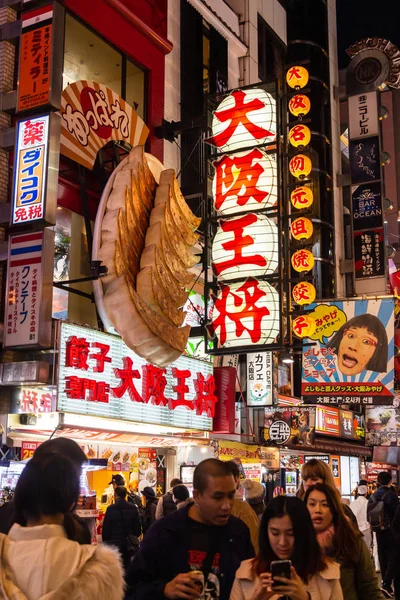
[
  {"x": 297, "y": 77},
  {"x": 299, "y": 105},
  {"x": 302, "y": 260},
  {"x": 300, "y": 136},
  {"x": 304, "y": 326},
  {"x": 300, "y": 166},
  {"x": 246, "y": 313},
  {"x": 301, "y": 228},
  {"x": 302, "y": 197},
  {"x": 244, "y": 182},
  {"x": 245, "y": 246},
  {"x": 304, "y": 293},
  {"x": 245, "y": 118}
]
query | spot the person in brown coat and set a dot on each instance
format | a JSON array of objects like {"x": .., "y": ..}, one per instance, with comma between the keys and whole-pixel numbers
[{"x": 242, "y": 509}]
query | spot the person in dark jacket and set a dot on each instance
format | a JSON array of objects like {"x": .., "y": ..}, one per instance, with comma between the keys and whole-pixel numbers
[
  {"x": 121, "y": 519},
  {"x": 166, "y": 504},
  {"x": 150, "y": 508},
  {"x": 203, "y": 536},
  {"x": 385, "y": 538}
]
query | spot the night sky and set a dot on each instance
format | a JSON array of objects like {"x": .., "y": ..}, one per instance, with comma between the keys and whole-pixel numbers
[{"x": 357, "y": 19}]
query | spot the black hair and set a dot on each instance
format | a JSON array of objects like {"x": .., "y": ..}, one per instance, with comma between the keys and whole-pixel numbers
[
  {"x": 180, "y": 492},
  {"x": 384, "y": 478},
  {"x": 347, "y": 537},
  {"x": 121, "y": 491},
  {"x": 48, "y": 485},
  {"x": 118, "y": 480},
  {"x": 64, "y": 446},
  {"x": 379, "y": 359},
  {"x": 234, "y": 467},
  {"x": 307, "y": 558},
  {"x": 174, "y": 482},
  {"x": 211, "y": 467}
]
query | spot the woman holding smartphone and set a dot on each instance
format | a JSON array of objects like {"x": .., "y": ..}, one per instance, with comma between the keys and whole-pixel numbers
[
  {"x": 341, "y": 541},
  {"x": 287, "y": 544}
]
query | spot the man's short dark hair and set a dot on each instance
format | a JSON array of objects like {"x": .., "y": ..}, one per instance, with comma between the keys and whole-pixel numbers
[
  {"x": 384, "y": 478},
  {"x": 211, "y": 467},
  {"x": 180, "y": 492},
  {"x": 174, "y": 482},
  {"x": 64, "y": 446},
  {"x": 234, "y": 467},
  {"x": 121, "y": 491}
]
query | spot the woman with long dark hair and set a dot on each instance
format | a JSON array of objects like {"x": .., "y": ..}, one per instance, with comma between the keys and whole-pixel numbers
[
  {"x": 39, "y": 557},
  {"x": 287, "y": 533},
  {"x": 340, "y": 540}
]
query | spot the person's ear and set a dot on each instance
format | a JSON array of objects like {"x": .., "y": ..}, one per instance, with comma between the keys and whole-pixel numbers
[{"x": 196, "y": 495}]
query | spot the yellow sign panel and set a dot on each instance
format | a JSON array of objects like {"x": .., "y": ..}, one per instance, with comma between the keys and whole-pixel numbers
[{"x": 245, "y": 452}]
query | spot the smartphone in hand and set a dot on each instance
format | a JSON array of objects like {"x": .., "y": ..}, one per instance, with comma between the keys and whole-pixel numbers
[{"x": 280, "y": 568}]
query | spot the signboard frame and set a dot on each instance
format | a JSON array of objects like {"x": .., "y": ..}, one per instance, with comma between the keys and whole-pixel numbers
[
  {"x": 33, "y": 19},
  {"x": 48, "y": 172}
]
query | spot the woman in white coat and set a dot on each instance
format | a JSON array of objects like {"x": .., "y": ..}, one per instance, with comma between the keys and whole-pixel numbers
[
  {"x": 287, "y": 533},
  {"x": 39, "y": 558}
]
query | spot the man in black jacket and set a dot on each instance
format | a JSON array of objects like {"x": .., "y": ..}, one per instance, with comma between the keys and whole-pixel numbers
[
  {"x": 201, "y": 537},
  {"x": 121, "y": 519},
  {"x": 384, "y": 536}
]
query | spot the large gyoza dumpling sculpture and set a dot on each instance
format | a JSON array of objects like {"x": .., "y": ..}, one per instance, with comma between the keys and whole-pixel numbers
[{"x": 148, "y": 244}]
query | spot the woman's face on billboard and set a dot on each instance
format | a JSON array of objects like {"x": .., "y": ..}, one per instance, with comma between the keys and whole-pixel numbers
[{"x": 355, "y": 350}]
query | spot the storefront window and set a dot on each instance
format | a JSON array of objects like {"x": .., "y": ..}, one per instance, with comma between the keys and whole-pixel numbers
[
  {"x": 71, "y": 261},
  {"x": 135, "y": 88},
  {"x": 87, "y": 56}
]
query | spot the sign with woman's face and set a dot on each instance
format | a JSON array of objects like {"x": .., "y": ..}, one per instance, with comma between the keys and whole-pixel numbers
[{"x": 352, "y": 360}]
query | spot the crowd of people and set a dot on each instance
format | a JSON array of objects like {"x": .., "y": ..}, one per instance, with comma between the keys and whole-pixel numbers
[{"x": 217, "y": 544}]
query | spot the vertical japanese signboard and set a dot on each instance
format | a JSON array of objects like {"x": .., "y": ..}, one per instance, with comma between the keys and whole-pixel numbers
[
  {"x": 245, "y": 248},
  {"x": 260, "y": 388},
  {"x": 27, "y": 319},
  {"x": 36, "y": 170},
  {"x": 352, "y": 359},
  {"x": 363, "y": 115},
  {"x": 40, "y": 58},
  {"x": 365, "y": 171}
]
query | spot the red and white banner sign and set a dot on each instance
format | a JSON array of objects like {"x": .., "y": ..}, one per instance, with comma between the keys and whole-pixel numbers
[
  {"x": 99, "y": 375},
  {"x": 27, "y": 319}
]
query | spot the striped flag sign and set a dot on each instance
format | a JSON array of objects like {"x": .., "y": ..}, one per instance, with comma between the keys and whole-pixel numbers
[{"x": 24, "y": 289}]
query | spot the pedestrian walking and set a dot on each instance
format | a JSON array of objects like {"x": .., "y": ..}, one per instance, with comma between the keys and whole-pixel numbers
[
  {"x": 317, "y": 471},
  {"x": 150, "y": 507},
  {"x": 341, "y": 541},
  {"x": 254, "y": 494},
  {"x": 381, "y": 510},
  {"x": 359, "y": 509},
  {"x": 241, "y": 509},
  {"x": 166, "y": 504},
  {"x": 121, "y": 526},
  {"x": 38, "y": 558},
  {"x": 393, "y": 570},
  {"x": 287, "y": 534},
  {"x": 195, "y": 551}
]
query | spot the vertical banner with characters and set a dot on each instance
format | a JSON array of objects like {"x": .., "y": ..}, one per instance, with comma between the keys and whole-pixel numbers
[
  {"x": 352, "y": 360},
  {"x": 260, "y": 387}
]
